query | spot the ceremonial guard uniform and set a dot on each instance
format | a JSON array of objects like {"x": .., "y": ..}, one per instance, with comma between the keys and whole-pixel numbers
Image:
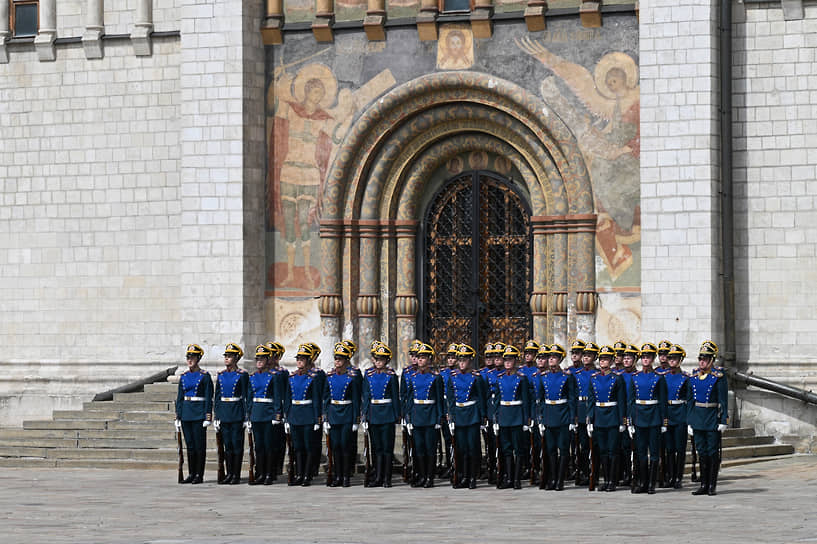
[
  {"x": 532, "y": 438},
  {"x": 627, "y": 456},
  {"x": 663, "y": 369},
  {"x": 583, "y": 376},
  {"x": 707, "y": 415},
  {"x": 467, "y": 411},
  {"x": 341, "y": 406},
  {"x": 557, "y": 415},
  {"x": 424, "y": 408},
  {"x": 606, "y": 415},
  {"x": 279, "y": 439},
  {"x": 302, "y": 409},
  {"x": 511, "y": 415},
  {"x": 647, "y": 418},
  {"x": 194, "y": 407},
  {"x": 380, "y": 413},
  {"x": 676, "y": 437},
  {"x": 266, "y": 412},
  {"x": 357, "y": 374},
  {"x": 231, "y": 411},
  {"x": 445, "y": 374},
  {"x": 320, "y": 378},
  {"x": 489, "y": 373}
]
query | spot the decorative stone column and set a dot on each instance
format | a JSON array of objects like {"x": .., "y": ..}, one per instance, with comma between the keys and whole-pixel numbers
[
  {"x": 554, "y": 230},
  {"x": 405, "y": 303},
  {"x": 330, "y": 303},
  {"x": 44, "y": 42},
  {"x": 271, "y": 27},
  {"x": 142, "y": 29},
  {"x": 94, "y": 29},
  {"x": 535, "y": 17},
  {"x": 374, "y": 23},
  {"x": 324, "y": 19},
  {"x": 581, "y": 248},
  {"x": 427, "y": 20},
  {"x": 481, "y": 24},
  {"x": 5, "y": 32},
  {"x": 538, "y": 299},
  {"x": 368, "y": 300}
]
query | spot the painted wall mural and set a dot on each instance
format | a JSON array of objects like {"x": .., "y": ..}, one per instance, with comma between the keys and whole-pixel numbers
[{"x": 589, "y": 77}]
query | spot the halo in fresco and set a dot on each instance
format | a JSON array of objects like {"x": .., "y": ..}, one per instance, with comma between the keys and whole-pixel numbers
[
  {"x": 620, "y": 60},
  {"x": 323, "y": 74}
]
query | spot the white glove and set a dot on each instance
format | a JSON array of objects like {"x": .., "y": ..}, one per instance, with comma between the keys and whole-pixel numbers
[
  {"x": 436, "y": 426},
  {"x": 663, "y": 429},
  {"x": 484, "y": 428},
  {"x": 178, "y": 425},
  {"x": 722, "y": 427},
  {"x": 525, "y": 428},
  {"x": 572, "y": 427},
  {"x": 216, "y": 425},
  {"x": 451, "y": 427},
  {"x": 326, "y": 427},
  {"x": 631, "y": 430},
  {"x": 496, "y": 428},
  {"x": 403, "y": 422},
  {"x": 409, "y": 428},
  {"x": 689, "y": 430},
  {"x": 589, "y": 429},
  {"x": 286, "y": 427},
  {"x": 354, "y": 427},
  {"x": 248, "y": 425},
  {"x": 621, "y": 428},
  {"x": 365, "y": 426},
  {"x": 276, "y": 421},
  {"x": 205, "y": 423},
  {"x": 541, "y": 429},
  {"x": 315, "y": 427}
]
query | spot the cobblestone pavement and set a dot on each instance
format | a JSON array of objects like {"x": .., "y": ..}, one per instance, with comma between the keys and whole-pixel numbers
[{"x": 772, "y": 501}]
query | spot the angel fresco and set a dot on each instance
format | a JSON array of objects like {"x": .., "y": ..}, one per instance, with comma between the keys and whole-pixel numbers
[{"x": 609, "y": 135}]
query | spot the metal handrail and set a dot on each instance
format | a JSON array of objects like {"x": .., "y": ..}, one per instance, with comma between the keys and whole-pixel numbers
[
  {"x": 136, "y": 386},
  {"x": 771, "y": 385}
]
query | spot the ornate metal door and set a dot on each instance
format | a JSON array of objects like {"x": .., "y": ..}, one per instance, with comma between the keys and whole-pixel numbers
[{"x": 477, "y": 264}]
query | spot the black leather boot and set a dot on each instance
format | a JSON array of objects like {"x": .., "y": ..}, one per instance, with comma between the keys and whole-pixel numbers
[
  {"x": 198, "y": 477},
  {"x": 643, "y": 477},
  {"x": 228, "y": 469},
  {"x": 604, "y": 465},
  {"x": 347, "y": 469},
  {"x": 237, "y": 459},
  {"x": 517, "y": 473},
  {"x": 714, "y": 466},
  {"x": 653, "y": 477},
  {"x": 192, "y": 463},
  {"x": 703, "y": 478},
  {"x": 506, "y": 481},
  {"x": 626, "y": 469},
  {"x": 431, "y": 461},
  {"x": 474, "y": 464},
  {"x": 563, "y": 467},
  {"x": 388, "y": 462},
  {"x": 260, "y": 473},
  {"x": 680, "y": 465},
  {"x": 309, "y": 464},
  {"x": 614, "y": 461},
  {"x": 298, "y": 479}
]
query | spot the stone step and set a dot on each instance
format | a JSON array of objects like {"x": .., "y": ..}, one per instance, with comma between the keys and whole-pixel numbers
[
  {"x": 162, "y": 387},
  {"x": 75, "y": 424},
  {"x": 129, "y": 405},
  {"x": 742, "y": 452}
]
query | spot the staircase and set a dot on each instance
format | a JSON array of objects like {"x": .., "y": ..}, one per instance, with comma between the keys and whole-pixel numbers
[{"x": 135, "y": 431}]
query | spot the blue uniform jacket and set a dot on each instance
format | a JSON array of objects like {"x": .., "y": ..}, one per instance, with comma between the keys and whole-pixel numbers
[
  {"x": 711, "y": 391},
  {"x": 628, "y": 379},
  {"x": 531, "y": 373},
  {"x": 232, "y": 390},
  {"x": 381, "y": 397},
  {"x": 676, "y": 398},
  {"x": 424, "y": 399},
  {"x": 606, "y": 404},
  {"x": 557, "y": 399},
  {"x": 197, "y": 386},
  {"x": 583, "y": 376},
  {"x": 467, "y": 398},
  {"x": 512, "y": 402},
  {"x": 647, "y": 402},
  {"x": 302, "y": 403},
  {"x": 266, "y": 399},
  {"x": 405, "y": 378},
  {"x": 341, "y": 398}
]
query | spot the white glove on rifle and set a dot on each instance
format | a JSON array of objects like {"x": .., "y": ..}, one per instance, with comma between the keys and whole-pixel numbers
[
  {"x": 276, "y": 421},
  {"x": 326, "y": 427},
  {"x": 525, "y": 428},
  {"x": 365, "y": 426},
  {"x": 541, "y": 429},
  {"x": 315, "y": 427},
  {"x": 631, "y": 430},
  {"x": 451, "y": 427},
  {"x": 663, "y": 429},
  {"x": 437, "y": 427},
  {"x": 690, "y": 432},
  {"x": 178, "y": 425},
  {"x": 354, "y": 427},
  {"x": 248, "y": 425},
  {"x": 621, "y": 428},
  {"x": 722, "y": 427},
  {"x": 589, "y": 429},
  {"x": 409, "y": 428},
  {"x": 496, "y": 428},
  {"x": 205, "y": 423},
  {"x": 286, "y": 427},
  {"x": 572, "y": 427}
]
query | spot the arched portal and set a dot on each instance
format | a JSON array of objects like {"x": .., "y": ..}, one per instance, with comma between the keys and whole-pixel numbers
[{"x": 384, "y": 173}]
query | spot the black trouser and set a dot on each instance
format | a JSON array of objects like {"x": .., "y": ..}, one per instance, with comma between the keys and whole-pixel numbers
[{"x": 195, "y": 439}]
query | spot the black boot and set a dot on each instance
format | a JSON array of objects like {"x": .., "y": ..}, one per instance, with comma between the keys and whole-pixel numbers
[
  {"x": 192, "y": 463},
  {"x": 703, "y": 477},
  {"x": 347, "y": 469},
  {"x": 269, "y": 468},
  {"x": 337, "y": 471},
  {"x": 309, "y": 465},
  {"x": 475, "y": 464},
  {"x": 259, "y": 472},
  {"x": 714, "y": 466},
  {"x": 388, "y": 463},
  {"x": 611, "y": 486},
  {"x": 431, "y": 461},
  {"x": 643, "y": 477},
  {"x": 563, "y": 467},
  {"x": 298, "y": 479},
  {"x": 671, "y": 469},
  {"x": 653, "y": 477},
  {"x": 228, "y": 469},
  {"x": 680, "y": 464},
  {"x": 517, "y": 473},
  {"x": 379, "y": 470},
  {"x": 420, "y": 468},
  {"x": 237, "y": 459},
  {"x": 604, "y": 466},
  {"x": 198, "y": 477},
  {"x": 626, "y": 469},
  {"x": 506, "y": 480}
]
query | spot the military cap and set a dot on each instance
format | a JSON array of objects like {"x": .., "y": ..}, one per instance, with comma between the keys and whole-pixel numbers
[
  {"x": 316, "y": 350},
  {"x": 531, "y": 345},
  {"x": 708, "y": 348},
  {"x": 305, "y": 350},
  {"x": 578, "y": 345},
  {"x": 648, "y": 348},
  {"x": 381, "y": 350},
  {"x": 511, "y": 351},
  {"x": 234, "y": 348},
  {"x": 677, "y": 350},
  {"x": 341, "y": 350},
  {"x": 414, "y": 346},
  {"x": 453, "y": 349},
  {"x": 489, "y": 348},
  {"x": 632, "y": 350},
  {"x": 262, "y": 351},
  {"x": 556, "y": 349},
  {"x": 591, "y": 347},
  {"x": 425, "y": 349},
  {"x": 465, "y": 350},
  {"x": 664, "y": 346},
  {"x": 606, "y": 351},
  {"x": 620, "y": 346},
  {"x": 194, "y": 349},
  {"x": 350, "y": 345},
  {"x": 499, "y": 348},
  {"x": 544, "y": 350},
  {"x": 276, "y": 348}
]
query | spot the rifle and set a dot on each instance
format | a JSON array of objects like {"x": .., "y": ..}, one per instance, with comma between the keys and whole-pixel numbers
[
  {"x": 330, "y": 465},
  {"x": 367, "y": 455},
  {"x": 291, "y": 463},
  {"x": 531, "y": 455},
  {"x": 455, "y": 480},
  {"x": 499, "y": 466},
  {"x": 542, "y": 454},
  {"x": 220, "y": 449},
  {"x": 633, "y": 466},
  {"x": 574, "y": 459},
  {"x": 591, "y": 456},
  {"x": 406, "y": 456},
  {"x": 181, "y": 455},
  {"x": 251, "y": 445},
  {"x": 694, "y": 476}
]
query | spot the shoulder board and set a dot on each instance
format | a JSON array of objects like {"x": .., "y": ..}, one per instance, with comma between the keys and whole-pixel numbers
[
  {"x": 390, "y": 371},
  {"x": 685, "y": 373},
  {"x": 222, "y": 371},
  {"x": 717, "y": 374},
  {"x": 242, "y": 371},
  {"x": 203, "y": 371}
]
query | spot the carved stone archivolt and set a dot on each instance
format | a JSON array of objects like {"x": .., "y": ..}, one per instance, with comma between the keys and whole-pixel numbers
[{"x": 373, "y": 194}]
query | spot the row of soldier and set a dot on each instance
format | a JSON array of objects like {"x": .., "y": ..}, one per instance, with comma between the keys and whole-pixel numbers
[{"x": 537, "y": 420}]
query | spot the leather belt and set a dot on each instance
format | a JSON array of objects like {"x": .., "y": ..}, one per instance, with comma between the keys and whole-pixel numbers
[
  {"x": 230, "y": 399},
  {"x": 262, "y": 399},
  {"x": 679, "y": 401},
  {"x": 301, "y": 402},
  {"x": 558, "y": 401},
  {"x": 646, "y": 402},
  {"x": 707, "y": 405},
  {"x": 606, "y": 404},
  {"x": 510, "y": 403},
  {"x": 194, "y": 399},
  {"x": 582, "y": 398},
  {"x": 336, "y": 402},
  {"x": 381, "y": 401},
  {"x": 425, "y": 401},
  {"x": 466, "y": 403}
]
